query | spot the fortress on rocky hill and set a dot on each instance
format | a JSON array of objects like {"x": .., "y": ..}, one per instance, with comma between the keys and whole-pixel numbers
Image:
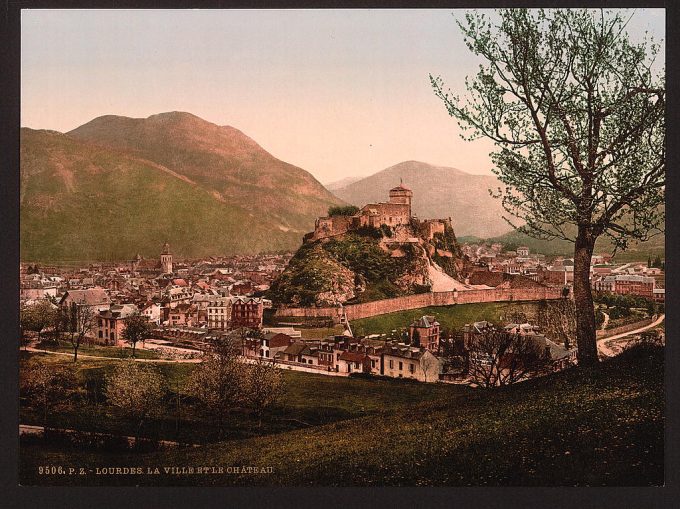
[{"x": 394, "y": 213}]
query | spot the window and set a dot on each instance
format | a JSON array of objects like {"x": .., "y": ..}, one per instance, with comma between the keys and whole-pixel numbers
[
  {"x": 391, "y": 364},
  {"x": 411, "y": 367},
  {"x": 401, "y": 366},
  {"x": 100, "y": 334}
]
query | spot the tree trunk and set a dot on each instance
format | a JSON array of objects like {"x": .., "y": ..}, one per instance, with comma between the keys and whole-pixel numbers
[
  {"x": 586, "y": 340},
  {"x": 75, "y": 354}
]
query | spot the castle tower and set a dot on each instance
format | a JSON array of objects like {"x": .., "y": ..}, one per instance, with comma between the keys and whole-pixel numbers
[
  {"x": 166, "y": 259},
  {"x": 401, "y": 195}
]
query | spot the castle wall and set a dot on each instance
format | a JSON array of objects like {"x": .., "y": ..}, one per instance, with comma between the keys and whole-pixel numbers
[{"x": 380, "y": 307}]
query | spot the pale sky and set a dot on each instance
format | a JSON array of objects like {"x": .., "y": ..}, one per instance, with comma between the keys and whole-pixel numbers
[{"x": 336, "y": 92}]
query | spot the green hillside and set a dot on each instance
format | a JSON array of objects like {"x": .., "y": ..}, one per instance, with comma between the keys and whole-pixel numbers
[
  {"x": 118, "y": 186},
  {"x": 220, "y": 159},
  {"x": 599, "y": 426},
  {"x": 82, "y": 202}
]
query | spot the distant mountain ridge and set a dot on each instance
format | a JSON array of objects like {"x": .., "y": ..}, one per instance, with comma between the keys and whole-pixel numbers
[
  {"x": 438, "y": 192},
  {"x": 117, "y": 186}
]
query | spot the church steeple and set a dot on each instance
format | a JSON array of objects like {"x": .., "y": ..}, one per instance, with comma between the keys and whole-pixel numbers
[{"x": 166, "y": 259}]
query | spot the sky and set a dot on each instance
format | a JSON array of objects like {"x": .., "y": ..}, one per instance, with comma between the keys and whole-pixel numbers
[{"x": 337, "y": 92}]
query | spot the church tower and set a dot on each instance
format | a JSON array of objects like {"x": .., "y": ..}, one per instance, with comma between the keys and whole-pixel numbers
[
  {"x": 166, "y": 259},
  {"x": 401, "y": 195}
]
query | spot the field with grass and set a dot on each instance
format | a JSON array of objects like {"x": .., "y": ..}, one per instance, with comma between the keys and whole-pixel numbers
[
  {"x": 450, "y": 317},
  {"x": 308, "y": 400},
  {"x": 98, "y": 351},
  {"x": 599, "y": 426}
]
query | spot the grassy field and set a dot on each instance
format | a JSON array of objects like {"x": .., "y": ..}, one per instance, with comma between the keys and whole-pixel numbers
[
  {"x": 308, "y": 400},
  {"x": 99, "y": 351},
  {"x": 450, "y": 317},
  {"x": 585, "y": 427}
]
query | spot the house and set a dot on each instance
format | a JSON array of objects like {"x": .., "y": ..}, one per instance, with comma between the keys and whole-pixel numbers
[
  {"x": 268, "y": 346},
  {"x": 425, "y": 332},
  {"x": 403, "y": 361},
  {"x": 310, "y": 355},
  {"x": 111, "y": 323},
  {"x": 292, "y": 352},
  {"x": 183, "y": 314},
  {"x": 95, "y": 298},
  {"x": 353, "y": 362},
  {"x": 153, "y": 312}
]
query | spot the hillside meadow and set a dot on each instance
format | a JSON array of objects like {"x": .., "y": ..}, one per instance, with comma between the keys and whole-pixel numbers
[{"x": 598, "y": 426}]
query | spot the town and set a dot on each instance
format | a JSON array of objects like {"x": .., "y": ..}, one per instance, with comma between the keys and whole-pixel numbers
[{"x": 191, "y": 305}]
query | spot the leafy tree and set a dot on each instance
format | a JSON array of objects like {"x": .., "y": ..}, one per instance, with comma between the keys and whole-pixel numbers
[
  {"x": 577, "y": 114},
  {"x": 137, "y": 328},
  {"x": 263, "y": 385},
  {"x": 415, "y": 338},
  {"x": 346, "y": 210},
  {"x": 136, "y": 389},
  {"x": 37, "y": 317},
  {"x": 218, "y": 382},
  {"x": 47, "y": 385},
  {"x": 657, "y": 262}
]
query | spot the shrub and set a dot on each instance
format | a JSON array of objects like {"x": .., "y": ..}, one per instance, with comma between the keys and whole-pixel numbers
[{"x": 347, "y": 210}]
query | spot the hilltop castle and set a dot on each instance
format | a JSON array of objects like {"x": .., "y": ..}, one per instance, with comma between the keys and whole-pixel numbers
[{"x": 395, "y": 213}]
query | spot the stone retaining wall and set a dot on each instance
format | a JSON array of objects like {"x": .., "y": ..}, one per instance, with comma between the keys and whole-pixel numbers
[{"x": 381, "y": 307}]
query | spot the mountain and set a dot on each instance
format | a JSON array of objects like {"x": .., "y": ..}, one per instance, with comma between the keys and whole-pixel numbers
[
  {"x": 117, "y": 186},
  {"x": 220, "y": 159},
  {"x": 339, "y": 184},
  {"x": 438, "y": 192}
]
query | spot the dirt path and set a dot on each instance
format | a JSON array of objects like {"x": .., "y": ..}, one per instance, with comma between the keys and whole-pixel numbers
[
  {"x": 100, "y": 358},
  {"x": 613, "y": 345}
]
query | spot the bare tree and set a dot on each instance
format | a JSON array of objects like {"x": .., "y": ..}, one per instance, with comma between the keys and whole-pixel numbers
[
  {"x": 577, "y": 112},
  {"x": 136, "y": 389},
  {"x": 498, "y": 357},
  {"x": 77, "y": 322},
  {"x": 427, "y": 364}
]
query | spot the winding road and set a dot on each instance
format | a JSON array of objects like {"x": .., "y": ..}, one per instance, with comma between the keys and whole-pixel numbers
[{"x": 607, "y": 347}]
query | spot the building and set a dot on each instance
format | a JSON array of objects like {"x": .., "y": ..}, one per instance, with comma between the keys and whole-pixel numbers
[
  {"x": 95, "y": 298},
  {"x": 111, "y": 323},
  {"x": 353, "y": 362},
  {"x": 395, "y": 212},
  {"x": 246, "y": 312},
  {"x": 403, "y": 361},
  {"x": 219, "y": 313},
  {"x": 627, "y": 284},
  {"x": 166, "y": 259},
  {"x": 153, "y": 312},
  {"x": 523, "y": 251},
  {"x": 425, "y": 332},
  {"x": 268, "y": 346}
]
